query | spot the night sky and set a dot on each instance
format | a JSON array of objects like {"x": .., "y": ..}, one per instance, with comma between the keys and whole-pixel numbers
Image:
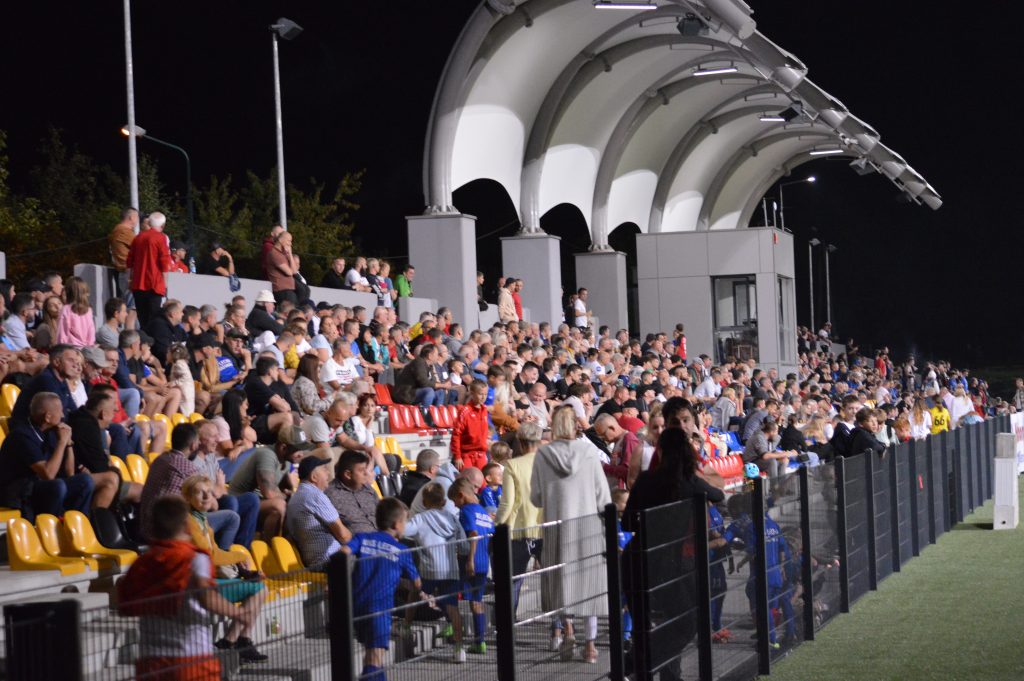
[{"x": 933, "y": 79}]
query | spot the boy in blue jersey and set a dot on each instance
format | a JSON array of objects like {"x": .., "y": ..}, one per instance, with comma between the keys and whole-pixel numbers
[
  {"x": 719, "y": 554},
  {"x": 777, "y": 558},
  {"x": 620, "y": 498},
  {"x": 479, "y": 526},
  {"x": 381, "y": 562},
  {"x": 490, "y": 495}
]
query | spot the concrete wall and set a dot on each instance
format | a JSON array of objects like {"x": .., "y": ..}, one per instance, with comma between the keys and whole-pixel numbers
[{"x": 674, "y": 281}]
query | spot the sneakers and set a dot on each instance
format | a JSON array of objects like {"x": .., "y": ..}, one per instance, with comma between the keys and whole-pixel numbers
[
  {"x": 447, "y": 634},
  {"x": 721, "y": 636},
  {"x": 247, "y": 652},
  {"x": 459, "y": 655},
  {"x": 478, "y": 648},
  {"x": 556, "y": 642}
]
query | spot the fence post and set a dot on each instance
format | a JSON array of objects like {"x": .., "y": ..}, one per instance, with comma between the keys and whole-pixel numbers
[
  {"x": 806, "y": 570},
  {"x": 930, "y": 456},
  {"x": 703, "y": 551},
  {"x": 339, "y": 608},
  {"x": 948, "y": 474},
  {"x": 844, "y": 549},
  {"x": 611, "y": 544},
  {"x": 894, "y": 505},
  {"x": 869, "y": 501},
  {"x": 979, "y": 457},
  {"x": 958, "y": 496},
  {"x": 762, "y": 615},
  {"x": 915, "y": 531},
  {"x": 968, "y": 438},
  {"x": 42, "y": 641},
  {"x": 504, "y": 614}
]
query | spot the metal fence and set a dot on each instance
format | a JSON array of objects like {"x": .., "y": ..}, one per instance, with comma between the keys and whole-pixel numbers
[{"x": 683, "y": 591}]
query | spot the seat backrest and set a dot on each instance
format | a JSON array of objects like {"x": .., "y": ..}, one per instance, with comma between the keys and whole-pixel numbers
[
  {"x": 109, "y": 531},
  {"x": 8, "y": 396},
  {"x": 418, "y": 419},
  {"x": 250, "y": 563},
  {"x": 80, "y": 532},
  {"x": 436, "y": 416},
  {"x": 138, "y": 468},
  {"x": 195, "y": 417},
  {"x": 287, "y": 556},
  {"x": 141, "y": 417},
  {"x": 49, "y": 531},
  {"x": 167, "y": 422},
  {"x": 383, "y": 391},
  {"x": 260, "y": 553},
  {"x": 399, "y": 418},
  {"x": 5, "y": 424},
  {"x": 179, "y": 418},
  {"x": 453, "y": 415},
  {"x": 119, "y": 465},
  {"x": 23, "y": 542}
]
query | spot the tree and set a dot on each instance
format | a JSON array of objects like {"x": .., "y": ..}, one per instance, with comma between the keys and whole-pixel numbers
[
  {"x": 321, "y": 231},
  {"x": 24, "y": 224}
]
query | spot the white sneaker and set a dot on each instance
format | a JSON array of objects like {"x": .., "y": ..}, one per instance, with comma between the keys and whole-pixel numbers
[
  {"x": 460, "y": 655},
  {"x": 556, "y": 643}
]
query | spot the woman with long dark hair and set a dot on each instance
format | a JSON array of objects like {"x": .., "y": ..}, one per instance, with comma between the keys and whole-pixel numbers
[{"x": 674, "y": 479}]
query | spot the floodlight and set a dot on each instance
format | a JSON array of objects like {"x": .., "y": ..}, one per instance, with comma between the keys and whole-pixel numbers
[{"x": 286, "y": 29}]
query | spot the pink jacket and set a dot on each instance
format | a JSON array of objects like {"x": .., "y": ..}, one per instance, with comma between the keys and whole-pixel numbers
[{"x": 76, "y": 329}]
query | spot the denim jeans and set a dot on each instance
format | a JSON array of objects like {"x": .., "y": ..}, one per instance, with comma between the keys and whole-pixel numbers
[
  {"x": 73, "y": 493},
  {"x": 225, "y": 526},
  {"x": 247, "y": 506}
]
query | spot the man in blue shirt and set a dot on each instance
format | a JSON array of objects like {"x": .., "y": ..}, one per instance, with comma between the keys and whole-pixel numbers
[
  {"x": 312, "y": 521},
  {"x": 381, "y": 561},
  {"x": 479, "y": 527},
  {"x": 37, "y": 463},
  {"x": 52, "y": 379},
  {"x": 23, "y": 309}
]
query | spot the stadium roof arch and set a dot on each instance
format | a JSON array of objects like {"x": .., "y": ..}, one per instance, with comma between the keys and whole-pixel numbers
[{"x": 663, "y": 113}]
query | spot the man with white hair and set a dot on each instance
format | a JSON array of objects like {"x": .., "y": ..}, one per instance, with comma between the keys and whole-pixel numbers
[{"x": 149, "y": 257}]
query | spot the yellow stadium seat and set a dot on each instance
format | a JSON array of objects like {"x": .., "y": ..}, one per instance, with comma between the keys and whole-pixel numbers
[
  {"x": 275, "y": 589},
  {"x": 250, "y": 564},
  {"x": 141, "y": 417},
  {"x": 8, "y": 514},
  {"x": 8, "y": 396},
  {"x": 261, "y": 554},
  {"x": 195, "y": 417},
  {"x": 179, "y": 418},
  {"x": 55, "y": 541},
  {"x": 138, "y": 468},
  {"x": 376, "y": 488},
  {"x": 166, "y": 421},
  {"x": 83, "y": 541},
  {"x": 382, "y": 444},
  {"x": 152, "y": 456},
  {"x": 3, "y": 434},
  {"x": 291, "y": 564},
  {"x": 5, "y": 424},
  {"x": 118, "y": 464},
  {"x": 25, "y": 551}
]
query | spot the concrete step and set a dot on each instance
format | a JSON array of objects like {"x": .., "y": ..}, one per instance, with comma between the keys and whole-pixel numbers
[{"x": 17, "y": 585}]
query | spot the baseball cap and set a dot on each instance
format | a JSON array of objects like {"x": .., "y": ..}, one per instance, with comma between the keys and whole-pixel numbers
[
  {"x": 95, "y": 356},
  {"x": 295, "y": 437},
  {"x": 309, "y": 464}
]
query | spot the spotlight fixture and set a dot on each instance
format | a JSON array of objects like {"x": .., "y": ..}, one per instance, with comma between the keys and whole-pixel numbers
[
  {"x": 691, "y": 26},
  {"x": 604, "y": 4},
  {"x": 714, "y": 71},
  {"x": 825, "y": 152},
  {"x": 772, "y": 118},
  {"x": 861, "y": 166},
  {"x": 794, "y": 110},
  {"x": 286, "y": 29}
]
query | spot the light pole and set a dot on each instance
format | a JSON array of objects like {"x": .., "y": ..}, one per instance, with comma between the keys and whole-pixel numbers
[
  {"x": 811, "y": 179},
  {"x": 810, "y": 274},
  {"x": 287, "y": 30},
  {"x": 829, "y": 249},
  {"x": 141, "y": 132},
  {"x": 133, "y": 165}
]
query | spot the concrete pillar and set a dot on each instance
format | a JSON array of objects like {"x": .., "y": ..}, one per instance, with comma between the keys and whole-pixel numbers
[
  {"x": 535, "y": 259},
  {"x": 3, "y": 265},
  {"x": 603, "y": 274},
  {"x": 442, "y": 248}
]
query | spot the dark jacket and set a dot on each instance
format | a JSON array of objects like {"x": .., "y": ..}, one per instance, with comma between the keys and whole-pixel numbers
[
  {"x": 863, "y": 440},
  {"x": 412, "y": 482},
  {"x": 88, "y": 439},
  {"x": 841, "y": 440},
  {"x": 259, "y": 320},
  {"x": 416, "y": 374},
  {"x": 164, "y": 335},
  {"x": 333, "y": 280}
]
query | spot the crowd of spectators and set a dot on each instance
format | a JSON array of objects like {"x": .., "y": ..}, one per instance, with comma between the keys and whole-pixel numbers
[{"x": 281, "y": 408}]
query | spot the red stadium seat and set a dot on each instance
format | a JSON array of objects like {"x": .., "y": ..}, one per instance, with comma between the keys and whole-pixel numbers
[
  {"x": 383, "y": 395},
  {"x": 400, "y": 416}
]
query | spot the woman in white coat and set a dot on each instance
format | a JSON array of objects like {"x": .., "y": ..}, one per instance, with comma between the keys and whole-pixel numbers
[{"x": 569, "y": 486}]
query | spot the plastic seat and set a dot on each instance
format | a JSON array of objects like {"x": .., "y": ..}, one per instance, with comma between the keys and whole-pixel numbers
[
  {"x": 265, "y": 559},
  {"x": 166, "y": 421},
  {"x": 384, "y": 398},
  {"x": 275, "y": 589},
  {"x": 119, "y": 465},
  {"x": 290, "y": 561},
  {"x": 3, "y": 431},
  {"x": 8, "y": 396},
  {"x": 5, "y": 424},
  {"x": 376, "y": 488},
  {"x": 419, "y": 422},
  {"x": 438, "y": 416},
  {"x": 401, "y": 419},
  {"x": 152, "y": 456},
  {"x": 26, "y": 552},
  {"x": 178, "y": 419},
  {"x": 141, "y": 417},
  {"x": 138, "y": 468},
  {"x": 83, "y": 541},
  {"x": 110, "y": 530},
  {"x": 55, "y": 542},
  {"x": 8, "y": 514},
  {"x": 195, "y": 417}
]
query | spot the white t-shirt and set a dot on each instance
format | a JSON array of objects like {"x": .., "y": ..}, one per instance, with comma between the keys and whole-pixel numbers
[
  {"x": 580, "y": 308},
  {"x": 345, "y": 373},
  {"x": 353, "y": 277}
]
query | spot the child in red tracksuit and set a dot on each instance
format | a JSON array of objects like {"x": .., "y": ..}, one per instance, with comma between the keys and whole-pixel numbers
[{"x": 470, "y": 436}]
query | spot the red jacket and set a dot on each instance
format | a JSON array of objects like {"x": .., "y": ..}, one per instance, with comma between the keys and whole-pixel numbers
[
  {"x": 148, "y": 258},
  {"x": 470, "y": 433},
  {"x": 157, "y": 582}
]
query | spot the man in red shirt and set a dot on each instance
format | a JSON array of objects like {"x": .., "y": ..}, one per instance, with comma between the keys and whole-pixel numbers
[
  {"x": 517, "y": 298},
  {"x": 470, "y": 434},
  {"x": 148, "y": 258},
  {"x": 268, "y": 245}
]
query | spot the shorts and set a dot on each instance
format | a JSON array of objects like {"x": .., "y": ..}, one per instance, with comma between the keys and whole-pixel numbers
[
  {"x": 237, "y": 590},
  {"x": 474, "y": 587},
  {"x": 447, "y": 591},
  {"x": 263, "y": 434},
  {"x": 374, "y": 631}
]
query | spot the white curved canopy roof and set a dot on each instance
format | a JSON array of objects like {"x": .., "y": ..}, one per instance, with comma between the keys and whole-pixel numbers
[{"x": 560, "y": 101}]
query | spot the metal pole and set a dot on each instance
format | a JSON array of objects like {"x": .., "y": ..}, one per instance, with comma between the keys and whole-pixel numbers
[
  {"x": 188, "y": 183},
  {"x": 828, "y": 284},
  {"x": 703, "y": 576},
  {"x": 504, "y": 609},
  {"x": 810, "y": 278},
  {"x": 613, "y": 566},
  {"x": 782, "y": 208},
  {"x": 282, "y": 205},
  {"x": 759, "y": 567},
  {"x": 133, "y": 164},
  {"x": 806, "y": 569}
]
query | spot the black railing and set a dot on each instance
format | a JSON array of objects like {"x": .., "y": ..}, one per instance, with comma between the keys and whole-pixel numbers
[{"x": 799, "y": 549}]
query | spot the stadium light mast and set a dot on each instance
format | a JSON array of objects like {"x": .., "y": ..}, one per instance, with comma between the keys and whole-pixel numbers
[
  {"x": 285, "y": 29},
  {"x": 829, "y": 249},
  {"x": 811, "y": 179},
  {"x": 134, "y": 132},
  {"x": 810, "y": 274},
  {"x": 133, "y": 161}
]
